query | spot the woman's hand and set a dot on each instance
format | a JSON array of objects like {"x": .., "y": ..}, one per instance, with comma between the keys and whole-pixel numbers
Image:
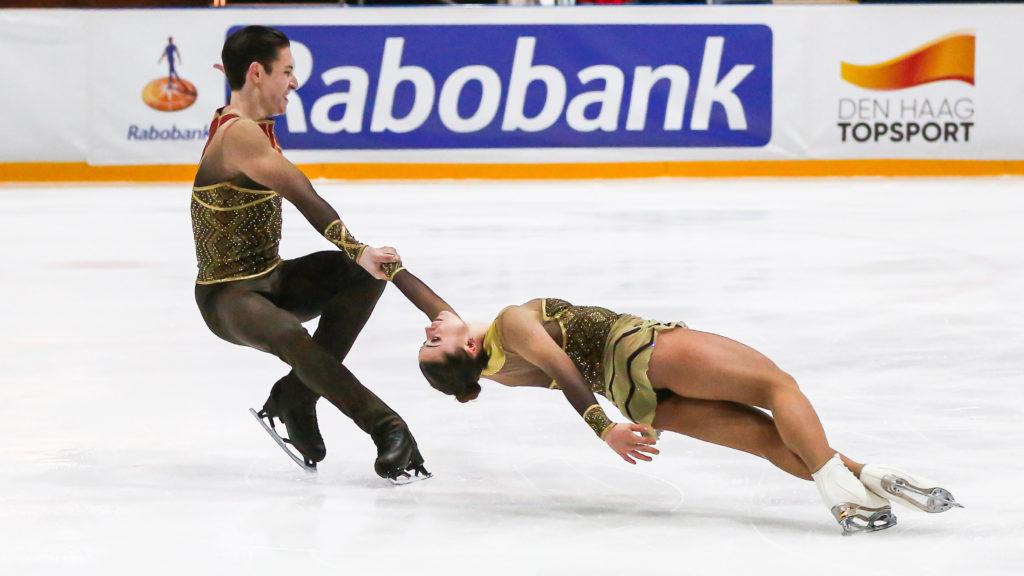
[{"x": 629, "y": 442}]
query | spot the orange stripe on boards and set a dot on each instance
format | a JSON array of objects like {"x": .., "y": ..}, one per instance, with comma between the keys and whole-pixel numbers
[
  {"x": 82, "y": 172},
  {"x": 44, "y": 172},
  {"x": 723, "y": 169}
]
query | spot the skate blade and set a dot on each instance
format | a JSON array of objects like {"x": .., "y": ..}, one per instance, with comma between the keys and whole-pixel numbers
[
  {"x": 854, "y": 519},
  {"x": 417, "y": 475},
  {"x": 306, "y": 465},
  {"x": 932, "y": 500}
]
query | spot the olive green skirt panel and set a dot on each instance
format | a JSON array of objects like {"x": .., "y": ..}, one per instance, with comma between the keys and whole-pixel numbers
[{"x": 627, "y": 353}]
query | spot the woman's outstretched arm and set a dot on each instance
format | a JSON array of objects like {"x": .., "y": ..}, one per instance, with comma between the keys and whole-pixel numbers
[
  {"x": 523, "y": 334},
  {"x": 420, "y": 294}
]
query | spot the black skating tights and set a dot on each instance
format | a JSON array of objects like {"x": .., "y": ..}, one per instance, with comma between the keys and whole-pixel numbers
[{"x": 266, "y": 313}]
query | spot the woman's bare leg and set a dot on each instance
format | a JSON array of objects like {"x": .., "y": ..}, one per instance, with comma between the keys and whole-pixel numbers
[
  {"x": 731, "y": 425},
  {"x": 706, "y": 366},
  {"x": 735, "y": 426}
]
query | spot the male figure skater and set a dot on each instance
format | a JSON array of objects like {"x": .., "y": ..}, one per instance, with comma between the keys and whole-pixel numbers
[{"x": 249, "y": 296}]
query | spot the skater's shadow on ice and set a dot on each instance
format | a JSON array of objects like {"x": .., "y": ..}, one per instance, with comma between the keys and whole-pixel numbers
[
  {"x": 775, "y": 524},
  {"x": 563, "y": 490}
]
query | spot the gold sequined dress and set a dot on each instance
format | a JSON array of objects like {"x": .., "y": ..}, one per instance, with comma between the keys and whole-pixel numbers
[
  {"x": 237, "y": 230},
  {"x": 610, "y": 350}
]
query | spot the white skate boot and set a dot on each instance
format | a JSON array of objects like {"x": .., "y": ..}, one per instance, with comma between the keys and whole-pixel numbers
[
  {"x": 919, "y": 492},
  {"x": 855, "y": 507}
]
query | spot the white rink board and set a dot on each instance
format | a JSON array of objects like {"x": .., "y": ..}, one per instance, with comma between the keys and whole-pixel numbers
[{"x": 55, "y": 120}]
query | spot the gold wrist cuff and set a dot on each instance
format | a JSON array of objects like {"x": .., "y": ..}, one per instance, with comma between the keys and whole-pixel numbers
[
  {"x": 338, "y": 233},
  {"x": 598, "y": 421},
  {"x": 391, "y": 268}
]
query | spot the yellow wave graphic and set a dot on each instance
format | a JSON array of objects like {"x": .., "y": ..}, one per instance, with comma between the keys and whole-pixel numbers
[{"x": 948, "y": 58}]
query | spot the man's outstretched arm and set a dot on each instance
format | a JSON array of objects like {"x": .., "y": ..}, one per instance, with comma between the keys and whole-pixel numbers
[{"x": 247, "y": 150}]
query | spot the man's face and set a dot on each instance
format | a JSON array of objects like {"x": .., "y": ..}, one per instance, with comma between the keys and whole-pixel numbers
[{"x": 280, "y": 82}]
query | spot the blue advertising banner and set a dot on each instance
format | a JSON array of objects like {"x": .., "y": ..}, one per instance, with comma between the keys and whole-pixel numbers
[{"x": 529, "y": 86}]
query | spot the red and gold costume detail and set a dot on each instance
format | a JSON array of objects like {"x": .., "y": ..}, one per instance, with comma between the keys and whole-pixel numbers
[{"x": 237, "y": 230}]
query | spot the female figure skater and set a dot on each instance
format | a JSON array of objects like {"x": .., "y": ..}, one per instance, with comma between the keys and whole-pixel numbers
[{"x": 661, "y": 376}]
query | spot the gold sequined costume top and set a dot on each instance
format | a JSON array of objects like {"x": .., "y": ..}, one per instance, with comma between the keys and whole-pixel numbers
[
  {"x": 610, "y": 350},
  {"x": 237, "y": 230},
  {"x": 584, "y": 331}
]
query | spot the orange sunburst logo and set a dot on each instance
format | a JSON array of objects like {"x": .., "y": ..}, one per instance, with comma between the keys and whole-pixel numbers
[
  {"x": 169, "y": 95},
  {"x": 948, "y": 58}
]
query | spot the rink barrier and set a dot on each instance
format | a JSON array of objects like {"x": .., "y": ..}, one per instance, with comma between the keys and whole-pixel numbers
[
  {"x": 701, "y": 91},
  {"x": 47, "y": 172}
]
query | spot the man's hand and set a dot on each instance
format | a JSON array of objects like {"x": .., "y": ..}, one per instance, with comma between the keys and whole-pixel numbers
[
  {"x": 372, "y": 258},
  {"x": 629, "y": 442}
]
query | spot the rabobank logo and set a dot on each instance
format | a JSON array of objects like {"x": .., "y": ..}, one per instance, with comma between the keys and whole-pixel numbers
[
  {"x": 525, "y": 86},
  {"x": 931, "y": 99},
  {"x": 170, "y": 93}
]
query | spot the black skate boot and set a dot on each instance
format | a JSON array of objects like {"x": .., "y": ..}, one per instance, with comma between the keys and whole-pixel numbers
[
  {"x": 397, "y": 453},
  {"x": 295, "y": 405},
  {"x": 416, "y": 463}
]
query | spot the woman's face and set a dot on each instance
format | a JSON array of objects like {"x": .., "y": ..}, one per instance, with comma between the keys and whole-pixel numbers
[{"x": 446, "y": 334}]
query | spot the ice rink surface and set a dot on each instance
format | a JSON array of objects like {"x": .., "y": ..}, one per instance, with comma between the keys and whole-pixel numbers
[{"x": 897, "y": 304}]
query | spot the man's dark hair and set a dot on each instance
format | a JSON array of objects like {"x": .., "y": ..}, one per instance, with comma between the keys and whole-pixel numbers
[
  {"x": 457, "y": 375},
  {"x": 250, "y": 44}
]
